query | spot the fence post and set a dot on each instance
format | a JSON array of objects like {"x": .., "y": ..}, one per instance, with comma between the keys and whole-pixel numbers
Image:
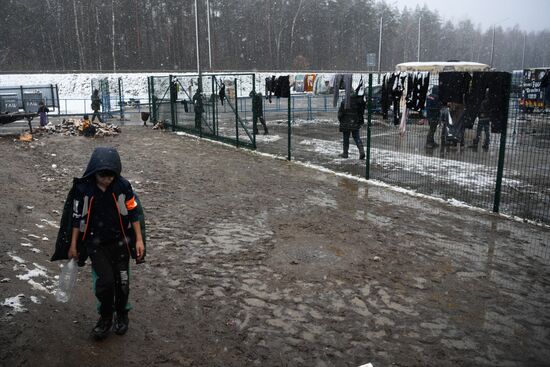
[
  {"x": 149, "y": 97},
  {"x": 369, "y": 117},
  {"x": 255, "y": 100},
  {"x": 57, "y": 97},
  {"x": 502, "y": 150},
  {"x": 289, "y": 128},
  {"x": 214, "y": 101},
  {"x": 172, "y": 103},
  {"x": 120, "y": 100},
  {"x": 236, "y": 113},
  {"x": 309, "y": 112}
]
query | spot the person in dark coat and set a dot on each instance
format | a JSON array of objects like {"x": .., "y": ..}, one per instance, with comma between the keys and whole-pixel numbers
[
  {"x": 433, "y": 107},
  {"x": 96, "y": 105},
  {"x": 198, "y": 108},
  {"x": 351, "y": 119},
  {"x": 483, "y": 123},
  {"x": 257, "y": 107},
  {"x": 106, "y": 227},
  {"x": 43, "y": 113}
]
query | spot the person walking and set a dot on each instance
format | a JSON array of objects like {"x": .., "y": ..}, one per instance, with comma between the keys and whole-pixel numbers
[
  {"x": 106, "y": 227},
  {"x": 96, "y": 105},
  {"x": 351, "y": 119},
  {"x": 257, "y": 107}
]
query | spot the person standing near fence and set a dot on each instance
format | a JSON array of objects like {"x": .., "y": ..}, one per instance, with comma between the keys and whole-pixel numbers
[
  {"x": 198, "y": 108},
  {"x": 43, "y": 113},
  {"x": 257, "y": 107},
  {"x": 483, "y": 123},
  {"x": 350, "y": 120},
  {"x": 96, "y": 105},
  {"x": 433, "y": 106}
]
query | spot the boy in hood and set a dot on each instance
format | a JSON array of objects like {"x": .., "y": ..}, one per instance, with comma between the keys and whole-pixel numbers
[{"x": 106, "y": 228}]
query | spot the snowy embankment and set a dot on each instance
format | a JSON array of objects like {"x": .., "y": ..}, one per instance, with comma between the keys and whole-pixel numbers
[{"x": 79, "y": 85}]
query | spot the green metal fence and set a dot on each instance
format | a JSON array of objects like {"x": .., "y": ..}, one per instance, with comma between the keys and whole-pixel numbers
[
  {"x": 110, "y": 91},
  {"x": 512, "y": 176},
  {"x": 192, "y": 103}
]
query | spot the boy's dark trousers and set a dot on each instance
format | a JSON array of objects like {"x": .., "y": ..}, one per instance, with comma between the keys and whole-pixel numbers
[{"x": 110, "y": 263}]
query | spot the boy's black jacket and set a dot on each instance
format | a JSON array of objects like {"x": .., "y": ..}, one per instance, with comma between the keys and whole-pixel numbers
[{"x": 102, "y": 159}]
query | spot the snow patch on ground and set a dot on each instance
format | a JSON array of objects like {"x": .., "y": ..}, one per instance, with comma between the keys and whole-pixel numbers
[
  {"x": 16, "y": 258},
  {"x": 50, "y": 223},
  {"x": 467, "y": 175},
  {"x": 32, "y": 273},
  {"x": 267, "y": 138},
  {"x": 15, "y": 303}
]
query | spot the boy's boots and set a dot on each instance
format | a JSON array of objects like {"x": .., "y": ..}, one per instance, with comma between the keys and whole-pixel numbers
[
  {"x": 361, "y": 150},
  {"x": 121, "y": 323},
  {"x": 102, "y": 328}
]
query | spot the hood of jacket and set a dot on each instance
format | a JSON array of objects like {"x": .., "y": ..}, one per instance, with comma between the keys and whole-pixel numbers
[{"x": 103, "y": 158}]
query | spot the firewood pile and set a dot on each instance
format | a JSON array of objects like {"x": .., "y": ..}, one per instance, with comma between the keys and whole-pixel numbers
[{"x": 75, "y": 127}]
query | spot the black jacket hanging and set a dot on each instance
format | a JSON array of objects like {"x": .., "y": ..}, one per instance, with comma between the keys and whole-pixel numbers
[{"x": 453, "y": 86}]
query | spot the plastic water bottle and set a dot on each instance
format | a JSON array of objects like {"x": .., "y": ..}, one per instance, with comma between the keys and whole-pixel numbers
[{"x": 67, "y": 279}]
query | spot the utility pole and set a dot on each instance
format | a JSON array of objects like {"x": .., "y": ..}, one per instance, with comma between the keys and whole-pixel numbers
[
  {"x": 418, "y": 52},
  {"x": 492, "y": 47},
  {"x": 380, "y": 50},
  {"x": 197, "y": 41},
  {"x": 209, "y": 40},
  {"x": 523, "y": 55}
]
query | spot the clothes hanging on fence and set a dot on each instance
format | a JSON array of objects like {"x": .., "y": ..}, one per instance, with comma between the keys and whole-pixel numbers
[
  {"x": 269, "y": 87},
  {"x": 545, "y": 87},
  {"x": 342, "y": 81},
  {"x": 278, "y": 86},
  {"x": 417, "y": 90},
  {"x": 309, "y": 82},
  {"x": 404, "y": 102},
  {"x": 387, "y": 93},
  {"x": 468, "y": 90},
  {"x": 393, "y": 91},
  {"x": 498, "y": 86},
  {"x": 185, "y": 106},
  {"x": 399, "y": 93},
  {"x": 282, "y": 88},
  {"x": 453, "y": 86},
  {"x": 455, "y": 90}
]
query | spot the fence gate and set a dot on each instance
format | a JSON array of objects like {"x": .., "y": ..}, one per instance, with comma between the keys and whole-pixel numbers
[
  {"x": 216, "y": 106},
  {"x": 111, "y": 94}
]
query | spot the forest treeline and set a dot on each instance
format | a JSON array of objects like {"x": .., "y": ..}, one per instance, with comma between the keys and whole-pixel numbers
[{"x": 125, "y": 35}]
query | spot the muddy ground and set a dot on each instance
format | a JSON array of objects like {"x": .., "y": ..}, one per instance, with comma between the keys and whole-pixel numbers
[{"x": 254, "y": 261}]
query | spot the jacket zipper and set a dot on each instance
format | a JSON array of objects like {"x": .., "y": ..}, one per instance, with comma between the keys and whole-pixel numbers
[
  {"x": 88, "y": 218},
  {"x": 121, "y": 226}
]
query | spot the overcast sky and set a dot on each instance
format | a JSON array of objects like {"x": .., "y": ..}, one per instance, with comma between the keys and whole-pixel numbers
[{"x": 530, "y": 15}]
